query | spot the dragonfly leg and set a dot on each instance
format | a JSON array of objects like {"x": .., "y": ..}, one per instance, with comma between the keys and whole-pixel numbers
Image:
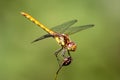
[
  {"x": 68, "y": 59},
  {"x": 63, "y": 53},
  {"x": 56, "y": 54},
  {"x": 68, "y": 53}
]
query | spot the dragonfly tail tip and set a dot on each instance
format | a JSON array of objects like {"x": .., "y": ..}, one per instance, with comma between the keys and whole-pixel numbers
[{"x": 23, "y": 13}]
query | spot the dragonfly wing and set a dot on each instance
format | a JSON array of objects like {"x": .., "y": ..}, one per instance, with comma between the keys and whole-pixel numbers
[
  {"x": 73, "y": 30},
  {"x": 42, "y": 37},
  {"x": 63, "y": 27}
]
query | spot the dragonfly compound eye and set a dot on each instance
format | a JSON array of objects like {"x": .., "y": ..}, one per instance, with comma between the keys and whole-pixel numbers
[
  {"x": 71, "y": 46},
  {"x": 67, "y": 61}
]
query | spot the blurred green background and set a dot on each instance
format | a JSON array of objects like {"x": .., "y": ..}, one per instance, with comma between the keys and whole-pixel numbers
[{"x": 98, "y": 49}]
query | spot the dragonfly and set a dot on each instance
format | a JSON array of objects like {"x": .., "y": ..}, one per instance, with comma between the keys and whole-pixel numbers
[{"x": 60, "y": 33}]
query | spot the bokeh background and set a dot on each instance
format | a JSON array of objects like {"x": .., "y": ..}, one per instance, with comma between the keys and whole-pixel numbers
[{"x": 98, "y": 49}]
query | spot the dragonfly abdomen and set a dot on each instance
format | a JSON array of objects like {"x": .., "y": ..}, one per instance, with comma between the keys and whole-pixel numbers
[{"x": 37, "y": 23}]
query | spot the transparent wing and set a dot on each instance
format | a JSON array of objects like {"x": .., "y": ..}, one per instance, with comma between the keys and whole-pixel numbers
[
  {"x": 42, "y": 37},
  {"x": 73, "y": 30},
  {"x": 63, "y": 27},
  {"x": 59, "y": 29}
]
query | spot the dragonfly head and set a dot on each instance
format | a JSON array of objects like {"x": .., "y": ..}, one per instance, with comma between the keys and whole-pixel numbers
[{"x": 71, "y": 46}]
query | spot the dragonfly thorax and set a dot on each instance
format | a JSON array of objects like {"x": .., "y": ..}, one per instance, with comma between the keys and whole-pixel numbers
[{"x": 65, "y": 42}]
